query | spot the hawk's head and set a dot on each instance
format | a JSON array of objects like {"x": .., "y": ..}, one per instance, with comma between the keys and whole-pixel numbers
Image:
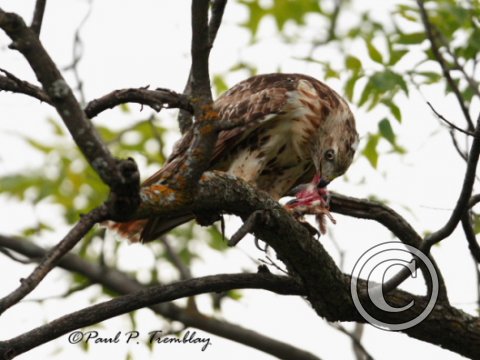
[{"x": 334, "y": 149}]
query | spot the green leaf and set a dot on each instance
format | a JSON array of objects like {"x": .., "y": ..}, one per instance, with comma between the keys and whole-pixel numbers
[
  {"x": 353, "y": 63},
  {"x": 256, "y": 14},
  {"x": 217, "y": 241},
  {"x": 411, "y": 38},
  {"x": 476, "y": 223},
  {"x": 370, "y": 150},
  {"x": 396, "y": 56},
  {"x": 394, "y": 109},
  {"x": 430, "y": 77},
  {"x": 385, "y": 129},
  {"x": 234, "y": 295},
  {"x": 368, "y": 91},
  {"x": 373, "y": 52},
  {"x": 387, "y": 81},
  {"x": 219, "y": 84},
  {"x": 125, "y": 108},
  {"x": 350, "y": 86}
]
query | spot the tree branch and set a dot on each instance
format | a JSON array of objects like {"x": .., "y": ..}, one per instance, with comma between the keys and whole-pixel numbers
[
  {"x": 156, "y": 99},
  {"x": 457, "y": 213},
  {"x": 441, "y": 61},
  {"x": 365, "y": 209},
  {"x": 121, "y": 176},
  {"x": 123, "y": 284},
  {"x": 449, "y": 123},
  {"x": 38, "y": 16},
  {"x": 143, "y": 298},
  {"x": 51, "y": 259},
  {"x": 200, "y": 51},
  {"x": 218, "y": 8},
  {"x": 471, "y": 238},
  {"x": 11, "y": 83},
  {"x": 465, "y": 194}
]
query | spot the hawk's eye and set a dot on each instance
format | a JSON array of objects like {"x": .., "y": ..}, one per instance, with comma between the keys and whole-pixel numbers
[{"x": 329, "y": 155}]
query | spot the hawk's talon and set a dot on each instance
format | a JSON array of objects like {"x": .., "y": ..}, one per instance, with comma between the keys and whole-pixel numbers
[{"x": 248, "y": 225}]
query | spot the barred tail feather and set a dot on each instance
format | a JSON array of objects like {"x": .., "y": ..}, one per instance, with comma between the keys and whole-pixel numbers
[{"x": 147, "y": 230}]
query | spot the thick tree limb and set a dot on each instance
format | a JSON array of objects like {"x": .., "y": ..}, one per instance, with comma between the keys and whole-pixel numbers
[
  {"x": 52, "y": 258},
  {"x": 123, "y": 284},
  {"x": 328, "y": 290},
  {"x": 156, "y": 99},
  {"x": 121, "y": 176}
]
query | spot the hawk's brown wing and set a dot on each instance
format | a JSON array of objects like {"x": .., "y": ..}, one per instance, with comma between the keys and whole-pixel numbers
[{"x": 250, "y": 103}]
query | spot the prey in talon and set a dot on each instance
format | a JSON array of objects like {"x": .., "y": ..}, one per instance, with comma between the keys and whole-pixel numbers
[{"x": 311, "y": 199}]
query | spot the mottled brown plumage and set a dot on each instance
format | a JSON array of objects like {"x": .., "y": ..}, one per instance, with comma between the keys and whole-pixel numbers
[{"x": 294, "y": 128}]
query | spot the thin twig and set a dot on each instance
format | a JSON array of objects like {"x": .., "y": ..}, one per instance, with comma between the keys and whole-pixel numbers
[
  {"x": 38, "y": 16},
  {"x": 53, "y": 256},
  {"x": 441, "y": 117},
  {"x": 429, "y": 28},
  {"x": 357, "y": 344},
  {"x": 77, "y": 55},
  {"x": 185, "y": 272},
  {"x": 11, "y": 83},
  {"x": 14, "y": 257}
]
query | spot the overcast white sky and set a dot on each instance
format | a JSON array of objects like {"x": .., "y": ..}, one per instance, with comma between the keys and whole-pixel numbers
[{"x": 146, "y": 42}]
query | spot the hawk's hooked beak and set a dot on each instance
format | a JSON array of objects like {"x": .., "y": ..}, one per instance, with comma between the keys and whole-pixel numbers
[{"x": 322, "y": 183}]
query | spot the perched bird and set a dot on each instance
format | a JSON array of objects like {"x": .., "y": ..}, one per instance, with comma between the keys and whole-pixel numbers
[{"x": 296, "y": 135}]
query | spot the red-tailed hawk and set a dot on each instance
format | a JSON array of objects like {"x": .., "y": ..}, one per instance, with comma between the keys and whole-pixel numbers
[{"x": 295, "y": 130}]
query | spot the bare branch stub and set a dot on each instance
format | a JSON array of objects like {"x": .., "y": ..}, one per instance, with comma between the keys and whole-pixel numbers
[
  {"x": 53, "y": 256},
  {"x": 121, "y": 176}
]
